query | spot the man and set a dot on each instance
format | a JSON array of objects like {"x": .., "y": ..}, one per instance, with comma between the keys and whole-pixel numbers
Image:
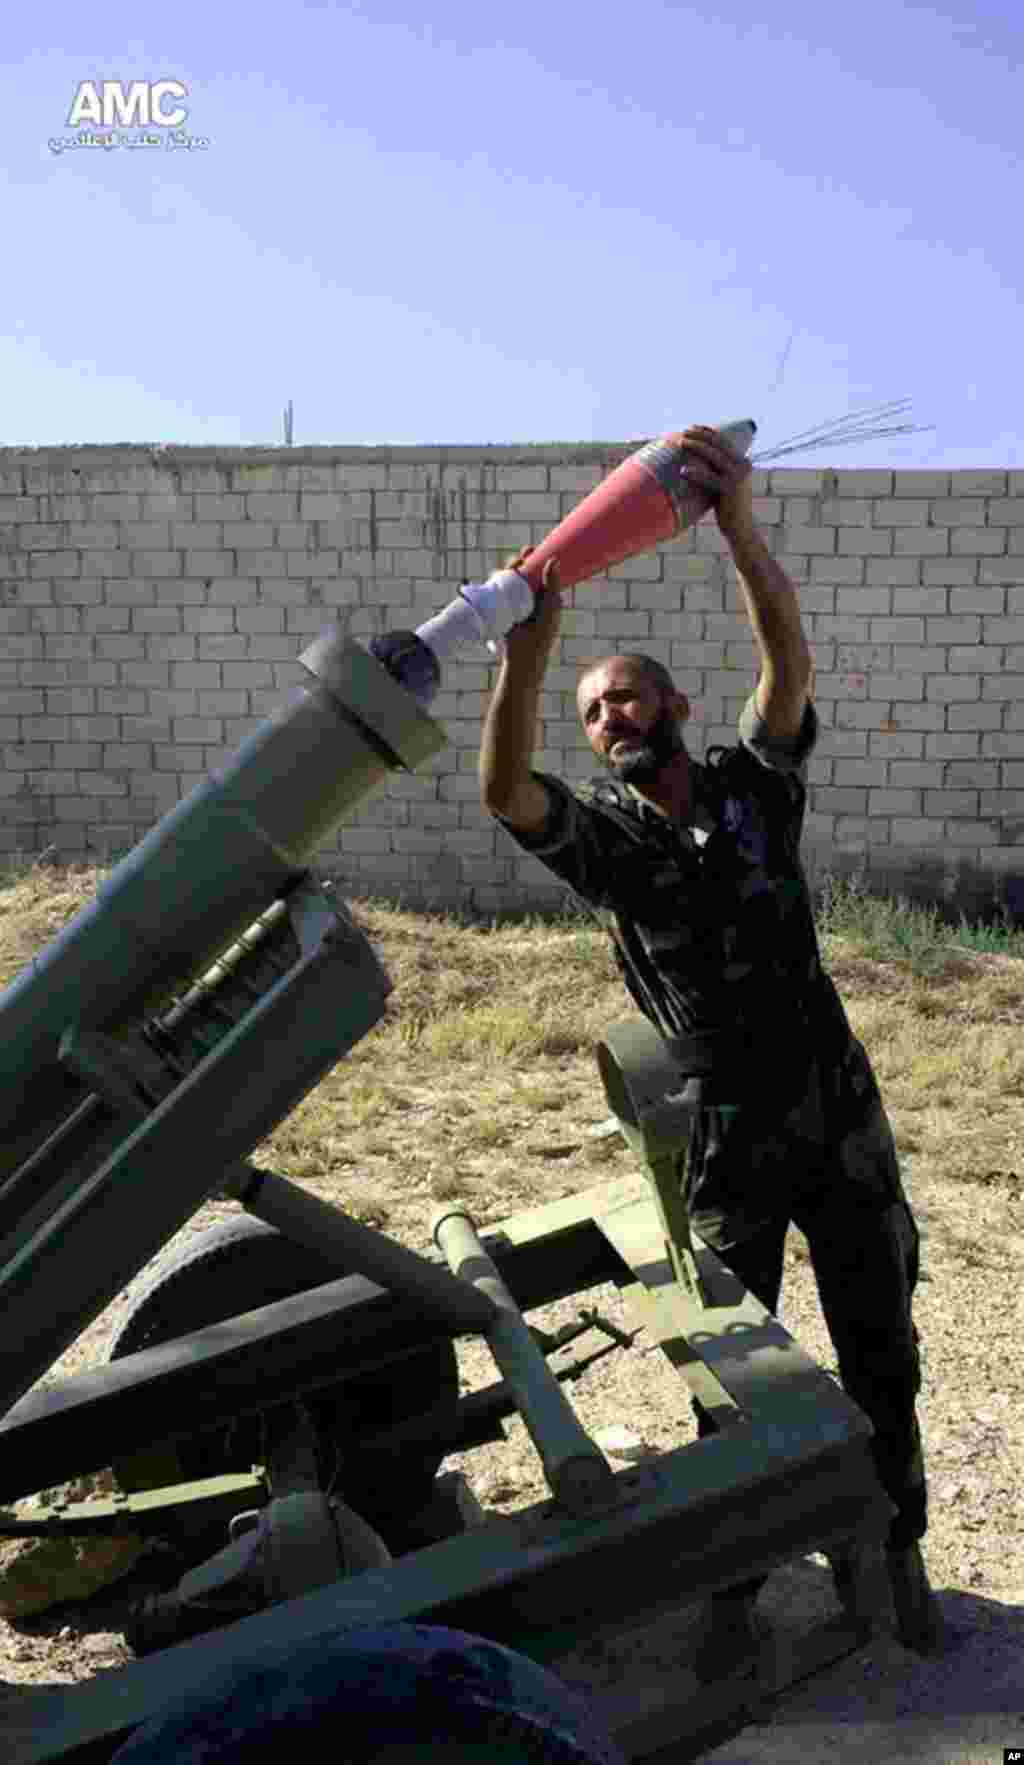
[{"x": 695, "y": 870}]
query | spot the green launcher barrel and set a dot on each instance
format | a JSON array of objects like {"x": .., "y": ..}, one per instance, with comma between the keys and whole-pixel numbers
[{"x": 213, "y": 864}]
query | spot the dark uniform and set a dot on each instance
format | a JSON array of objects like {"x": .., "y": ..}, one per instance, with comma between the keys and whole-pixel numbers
[{"x": 714, "y": 934}]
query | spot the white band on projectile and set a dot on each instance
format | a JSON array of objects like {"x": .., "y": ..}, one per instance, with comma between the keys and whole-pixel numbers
[{"x": 482, "y": 612}]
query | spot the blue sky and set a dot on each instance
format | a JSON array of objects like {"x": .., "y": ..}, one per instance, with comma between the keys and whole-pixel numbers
[{"x": 520, "y": 223}]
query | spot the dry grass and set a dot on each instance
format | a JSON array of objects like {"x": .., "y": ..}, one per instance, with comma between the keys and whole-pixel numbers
[{"x": 481, "y": 1077}]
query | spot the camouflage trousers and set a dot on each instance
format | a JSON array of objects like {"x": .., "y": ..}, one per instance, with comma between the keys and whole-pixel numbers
[{"x": 827, "y": 1163}]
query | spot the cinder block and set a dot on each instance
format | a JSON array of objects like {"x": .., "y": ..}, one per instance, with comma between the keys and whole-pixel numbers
[
  {"x": 918, "y": 659},
  {"x": 982, "y": 600},
  {"x": 177, "y": 648},
  {"x": 197, "y": 674},
  {"x": 916, "y": 482},
  {"x": 93, "y": 729},
  {"x": 102, "y": 784},
  {"x": 133, "y": 755},
  {"x": 106, "y": 619},
  {"x": 202, "y": 564},
  {"x": 181, "y": 759},
  {"x": 260, "y": 618},
  {"x": 248, "y": 536},
  {"x": 1007, "y": 744},
  {"x": 976, "y": 773},
  {"x": 950, "y": 572},
  {"x": 897, "y": 685},
  {"x": 976, "y": 834},
  {"x": 814, "y": 541},
  {"x": 244, "y": 674},
  {"x": 149, "y": 619},
  {"x": 126, "y": 591},
  {"x": 521, "y": 478},
  {"x": 976, "y": 540},
  {"x": 859, "y": 772},
  {"x": 945, "y": 745},
  {"x": 916, "y": 774},
  {"x": 106, "y": 565},
  {"x": 197, "y": 729},
  {"x": 276, "y": 505},
  {"x": 973, "y": 658},
  {"x": 958, "y": 511},
  {"x": 846, "y": 511},
  {"x": 864, "y": 601},
  {"x": 350, "y": 477},
  {"x": 334, "y": 506},
  {"x": 618, "y": 624},
  {"x": 75, "y": 755},
  {"x": 1003, "y": 686},
  {"x": 904, "y": 745},
  {"x": 1002, "y": 631},
  {"x": 645, "y": 568},
  {"x": 897, "y": 630},
  {"x": 922, "y": 542},
  {"x": 862, "y": 481},
  {"x": 92, "y": 673},
  {"x": 195, "y": 536},
  {"x": 388, "y": 592},
  {"x": 77, "y": 701},
  {"x": 575, "y": 479},
  {"x": 116, "y": 506},
  {"x": 953, "y": 803},
  {"x": 889, "y": 802},
  {"x": 180, "y": 592},
  {"x": 829, "y": 800},
  {"x": 837, "y": 570},
  {"x": 152, "y": 536},
  {"x": 949, "y": 687},
  {"x": 917, "y": 600},
  {"x": 219, "y": 507},
  {"x": 535, "y": 506},
  {"x": 158, "y": 563},
  {"x": 1008, "y": 570},
  {"x": 174, "y": 702},
  {"x": 981, "y": 483},
  {"x": 47, "y": 565},
  {"x": 900, "y": 512},
  {"x": 916, "y": 831},
  {"x": 235, "y": 591},
  {"x": 205, "y": 620},
  {"x": 146, "y": 729},
  {"x": 94, "y": 536},
  {"x": 278, "y": 649},
  {"x": 796, "y": 481},
  {"x": 119, "y": 647}
]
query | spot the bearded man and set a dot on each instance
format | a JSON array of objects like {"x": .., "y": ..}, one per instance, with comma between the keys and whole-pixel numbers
[{"x": 694, "y": 868}]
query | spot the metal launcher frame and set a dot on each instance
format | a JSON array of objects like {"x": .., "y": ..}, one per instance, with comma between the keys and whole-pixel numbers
[{"x": 145, "y": 1054}]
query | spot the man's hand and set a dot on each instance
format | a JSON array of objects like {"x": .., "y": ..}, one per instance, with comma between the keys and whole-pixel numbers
[
  {"x": 507, "y": 785},
  {"x": 529, "y": 644},
  {"x": 719, "y": 469}
]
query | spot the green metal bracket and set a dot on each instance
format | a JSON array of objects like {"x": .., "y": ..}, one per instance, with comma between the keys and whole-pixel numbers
[
  {"x": 642, "y": 1085},
  {"x": 148, "y": 1510}
]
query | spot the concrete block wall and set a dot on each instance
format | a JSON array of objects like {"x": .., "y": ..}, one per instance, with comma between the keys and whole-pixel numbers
[{"x": 154, "y": 601}]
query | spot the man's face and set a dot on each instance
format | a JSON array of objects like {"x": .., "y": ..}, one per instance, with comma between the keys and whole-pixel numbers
[{"x": 631, "y": 723}]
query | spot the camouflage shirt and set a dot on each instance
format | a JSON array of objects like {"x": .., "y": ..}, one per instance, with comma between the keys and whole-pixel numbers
[{"x": 712, "y": 925}]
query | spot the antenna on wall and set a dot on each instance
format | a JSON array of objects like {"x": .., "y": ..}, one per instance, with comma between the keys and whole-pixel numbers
[{"x": 289, "y": 423}]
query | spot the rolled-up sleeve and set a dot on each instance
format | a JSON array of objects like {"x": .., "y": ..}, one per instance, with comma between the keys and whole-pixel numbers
[
  {"x": 779, "y": 756},
  {"x": 577, "y": 843}
]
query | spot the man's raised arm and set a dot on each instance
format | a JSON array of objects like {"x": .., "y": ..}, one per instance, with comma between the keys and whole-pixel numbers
[{"x": 508, "y": 788}]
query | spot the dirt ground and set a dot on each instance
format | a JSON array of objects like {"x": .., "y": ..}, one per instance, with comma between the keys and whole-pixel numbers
[{"x": 883, "y": 1704}]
